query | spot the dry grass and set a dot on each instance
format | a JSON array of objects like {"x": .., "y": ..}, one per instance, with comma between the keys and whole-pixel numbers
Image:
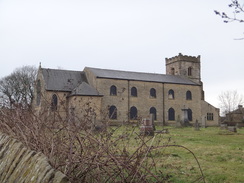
[{"x": 221, "y": 155}]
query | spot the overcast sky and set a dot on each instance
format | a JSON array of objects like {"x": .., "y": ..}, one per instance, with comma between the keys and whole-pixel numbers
[{"x": 131, "y": 35}]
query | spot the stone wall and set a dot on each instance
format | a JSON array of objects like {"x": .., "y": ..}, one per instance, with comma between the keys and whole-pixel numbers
[
  {"x": 208, "y": 108},
  {"x": 179, "y": 102},
  {"x": 85, "y": 107},
  {"x": 143, "y": 102},
  {"x": 19, "y": 164}
]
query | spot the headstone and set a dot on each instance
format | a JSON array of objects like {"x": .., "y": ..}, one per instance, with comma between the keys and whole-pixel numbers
[
  {"x": 97, "y": 126},
  {"x": 232, "y": 129},
  {"x": 238, "y": 125},
  {"x": 185, "y": 120},
  {"x": 178, "y": 122},
  {"x": 146, "y": 127},
  {"x": 197, "y": 126},
  {"x": 223, "y": 127},
  {"x": 152, "y": 119}
]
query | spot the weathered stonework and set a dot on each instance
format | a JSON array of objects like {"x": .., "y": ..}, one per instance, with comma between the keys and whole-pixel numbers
[
  {"x": 19, "y": 164},
  {"x": 181, "y": 63},
  {"x": 182, "y": 75},
  {"x": 81, "y": 107}
]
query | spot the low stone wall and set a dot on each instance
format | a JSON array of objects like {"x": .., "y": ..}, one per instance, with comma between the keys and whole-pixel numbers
[{"x": 19, "y": 164}]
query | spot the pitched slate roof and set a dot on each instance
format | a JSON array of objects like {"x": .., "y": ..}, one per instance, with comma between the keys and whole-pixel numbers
[
  {"x": 62, "y": 80},
  {"x": 69, "y": 81},
  {"x": 140, "y": 76},
  {"x": 84, "y": 89}
]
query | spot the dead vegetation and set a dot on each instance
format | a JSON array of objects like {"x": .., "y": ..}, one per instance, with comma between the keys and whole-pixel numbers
[{"x": 87, "y": 155}]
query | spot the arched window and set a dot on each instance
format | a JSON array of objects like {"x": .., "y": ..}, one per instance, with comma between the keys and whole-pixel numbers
[
  {"x": 171, "y": 114},
  {"x": 171, "y": 94},
  {"x": 189, "y": 113},
  {"x": 134, "y": 92},
  {"x": 38, "y": 92},
  {"x": 152, "y": 93},
  {"x": 54, "y": 103},
  {"x": 133, "y": 113},
  {"x": 172, "y": 71},
  {"x": 112, "y": 112},
  {"x": 154, "y": 112},
  {"x": 188, "y": 95},
  {"x": 113, "y": 90},
  {"x": 189, "y": 71}
]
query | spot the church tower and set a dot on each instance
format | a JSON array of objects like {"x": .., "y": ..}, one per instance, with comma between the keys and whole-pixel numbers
[{"x": 186, "y": 66}]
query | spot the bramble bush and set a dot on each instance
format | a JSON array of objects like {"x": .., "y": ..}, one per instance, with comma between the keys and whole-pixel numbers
[{"x": 85, "y": 154}]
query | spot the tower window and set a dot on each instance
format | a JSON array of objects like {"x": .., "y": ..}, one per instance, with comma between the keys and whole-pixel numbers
[
  {"x": 154, "y": 112},
  {"x": 113, "y": 90},
  {"x": 171, "y": 114},
  {"x": 172, "y": 71},
  {"x": 153, "y": 93},
  {"x": 112, "y": 112},
  {"x": 188, "y": 95},
  {"x": 171, "y": 94},
  {"x": 134, "y": 92},
  {"x": 54, "y": 102},
  {"x": 133, "y": 113},
  {"x": 189, "y": 71}
]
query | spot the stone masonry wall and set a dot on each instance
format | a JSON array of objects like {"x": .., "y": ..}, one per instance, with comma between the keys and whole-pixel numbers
[
  {"x": 85, "y": 107},
  {"x": 19, "y": 164},
  {"x": 143, "y": 102}
]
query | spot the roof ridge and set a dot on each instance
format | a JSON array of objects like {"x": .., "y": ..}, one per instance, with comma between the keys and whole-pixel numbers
[
  {"x": 140, "y": 76},
  {"x": 124, "y": 71},
  {"x": 61, "y": 70}
]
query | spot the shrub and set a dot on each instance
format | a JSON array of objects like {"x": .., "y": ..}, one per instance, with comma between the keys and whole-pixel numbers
[{"x": 84, "y": 154}]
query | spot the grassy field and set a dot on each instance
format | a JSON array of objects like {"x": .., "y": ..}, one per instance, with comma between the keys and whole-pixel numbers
[{"x": 220, "y": 154}]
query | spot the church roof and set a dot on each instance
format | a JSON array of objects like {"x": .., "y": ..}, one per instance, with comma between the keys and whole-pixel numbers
[
  {"x": 69, "y": 81},
  {"x": 140, "y": 76},
  {"x": 76, "y": 81},
  {"x": 62, "y": 80},
  {"x": 84, "y": 89}
]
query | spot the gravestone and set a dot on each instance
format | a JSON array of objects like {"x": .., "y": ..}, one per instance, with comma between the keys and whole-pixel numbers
[
  {"x": 185, "y": 120},
  {"x": 97, "y": 126},
  {"x": 232, "y": 129},
  {"x": 146, "y": 127},
  {"x": 178, "y": 122},
  {"x": 197, "y": 126},
  {"x": 238, "y": 125},
  {"x": 223, "y": 127},
  {"x": 152, "y": 119}
]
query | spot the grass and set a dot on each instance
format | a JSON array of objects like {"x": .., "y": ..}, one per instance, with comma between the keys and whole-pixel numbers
[{"x": 220, "y": 154}]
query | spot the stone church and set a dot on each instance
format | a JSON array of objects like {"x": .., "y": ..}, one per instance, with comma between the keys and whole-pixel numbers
[{"x": 121, "y": 96}]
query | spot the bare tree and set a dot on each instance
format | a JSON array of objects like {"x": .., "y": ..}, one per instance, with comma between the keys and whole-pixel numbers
[
  {"x": 18, "y": 87},
  {"x": 229, "y": 101},
  {"x": 238, "y": 11}
]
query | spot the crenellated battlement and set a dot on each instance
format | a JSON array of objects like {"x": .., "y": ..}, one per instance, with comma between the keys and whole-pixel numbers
[
  {"x": 181, "y": 57},
  {"x": 186, "y": 66}
]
